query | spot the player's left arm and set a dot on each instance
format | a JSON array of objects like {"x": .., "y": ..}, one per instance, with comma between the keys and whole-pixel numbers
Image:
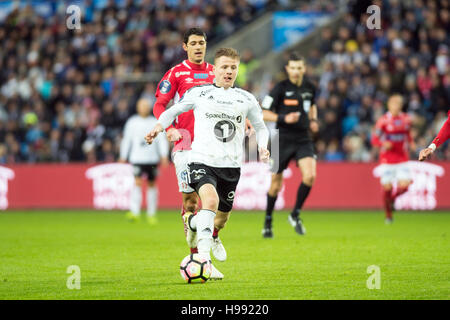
[
  {"x": 163, "y": 149},
  {"x": 312, "y": 114},
  {"x": 262, "y": 134},
  {"x": 313, "y": 120},
  {"x": 186, "y": 103},
  {"x": 411, "y": 142}
]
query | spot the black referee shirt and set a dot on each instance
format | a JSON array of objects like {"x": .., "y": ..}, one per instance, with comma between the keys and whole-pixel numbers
[{"x": 285, "y": 98}]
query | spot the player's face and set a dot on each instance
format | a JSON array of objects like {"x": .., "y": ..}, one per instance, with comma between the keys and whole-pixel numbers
[
  {"x": 195, "y": 48},
  {"x": 225, "y": 71},
  {"x": 143, "y": 108},
  {"x": 295, "y": 70},
  {"x": 395, "y": 104}
]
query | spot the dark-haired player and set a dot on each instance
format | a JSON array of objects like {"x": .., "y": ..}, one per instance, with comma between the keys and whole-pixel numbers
[{"x": 291, "y": 105}]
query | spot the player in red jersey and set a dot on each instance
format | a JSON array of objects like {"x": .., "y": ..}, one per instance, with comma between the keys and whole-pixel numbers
[
  {"x": 191, "y": 72},
  {"x": 442, "y": 136},
  {"x": 393, "y": 136}
]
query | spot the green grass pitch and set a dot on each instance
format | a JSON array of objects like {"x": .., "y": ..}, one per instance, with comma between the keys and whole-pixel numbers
[{"x": 122, "y": 260}]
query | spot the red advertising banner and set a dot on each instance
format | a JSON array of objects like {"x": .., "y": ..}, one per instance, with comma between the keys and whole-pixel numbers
[{"x": 108, "y": 186}]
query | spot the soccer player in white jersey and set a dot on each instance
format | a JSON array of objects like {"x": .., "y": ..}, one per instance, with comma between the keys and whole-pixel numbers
[
  {"x": 220, "y": 111},
  {"x": 144, "y": 159}
]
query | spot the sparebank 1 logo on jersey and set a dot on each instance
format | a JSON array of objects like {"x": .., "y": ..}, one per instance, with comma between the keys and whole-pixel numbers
[
  {"x": 421, "y": 194},
  {"x": 112, "y": 185},
  {"x": 5, "y": 175}
]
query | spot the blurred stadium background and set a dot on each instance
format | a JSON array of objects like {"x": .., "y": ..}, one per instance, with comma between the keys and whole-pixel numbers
[{"x": 66, "y": 94}]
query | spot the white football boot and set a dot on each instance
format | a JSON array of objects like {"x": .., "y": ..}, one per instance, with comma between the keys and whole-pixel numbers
[
  {"x": 215, "y": 274},
  {"x": 191, "y": 235},
  {"x": 218, "y": 249}
]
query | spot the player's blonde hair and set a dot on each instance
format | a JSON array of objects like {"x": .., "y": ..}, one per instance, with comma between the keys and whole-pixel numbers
[{"x": 227, "y": 52}]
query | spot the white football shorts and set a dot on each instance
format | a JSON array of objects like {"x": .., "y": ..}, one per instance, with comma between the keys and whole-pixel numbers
[
  {"x": 180, "y": 160},
  {"x": 395, "y": 172}
]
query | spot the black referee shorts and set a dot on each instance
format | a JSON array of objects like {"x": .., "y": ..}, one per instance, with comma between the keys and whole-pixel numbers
[
  {"x": 150, "y": 170},
  {"x": 224, "y": 180},
  {"x": 290, "y": 150}
]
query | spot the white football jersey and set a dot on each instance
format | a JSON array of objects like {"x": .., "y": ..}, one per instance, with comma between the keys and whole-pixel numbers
[
  {"x": 133, "y": 146},
  {"x": 219, "y": 128}
]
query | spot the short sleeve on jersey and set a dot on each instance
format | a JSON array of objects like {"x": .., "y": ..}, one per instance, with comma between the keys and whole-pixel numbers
[
  {"x": 270, "y": 102},
  {"x": 167, "y": 86}
]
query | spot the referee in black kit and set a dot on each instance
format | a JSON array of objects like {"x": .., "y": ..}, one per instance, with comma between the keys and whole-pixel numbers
[{"x": 291, "y": 105}]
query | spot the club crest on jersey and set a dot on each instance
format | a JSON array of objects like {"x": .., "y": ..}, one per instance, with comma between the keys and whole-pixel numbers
[
  {"x": 200, "y": 76},
  {"x": 165, "y": 86}
]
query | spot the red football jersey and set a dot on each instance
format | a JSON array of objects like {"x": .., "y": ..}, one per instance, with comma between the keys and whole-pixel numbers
[
  {"x": 444, "y": 133},
  {"x": 397, "y": 131},
  {"x": 173, "y": 85}
]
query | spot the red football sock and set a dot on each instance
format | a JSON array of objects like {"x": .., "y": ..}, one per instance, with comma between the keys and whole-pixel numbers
[
  {"x": 387, "y": 199},
  {"x": 399, "y": 191},
  {"x": 216, "y": 232},
  {"x": 194, "y": 250}
]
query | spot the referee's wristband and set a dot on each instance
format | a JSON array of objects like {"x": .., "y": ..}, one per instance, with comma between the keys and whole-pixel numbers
[
  {"x": 313, "y": 120},
  {"x": 280, "y": 118}
]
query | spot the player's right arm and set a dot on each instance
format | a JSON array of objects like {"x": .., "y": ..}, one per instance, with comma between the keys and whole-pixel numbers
[
  {"x": 166, "y": 90},
  {"x": 270, "y": 106},
  {"x": 442, "y": 136},
  {"x": 125, "y": 145},
  {"x": 186, "y": 103},
  {"x": 377, "y": 133}
]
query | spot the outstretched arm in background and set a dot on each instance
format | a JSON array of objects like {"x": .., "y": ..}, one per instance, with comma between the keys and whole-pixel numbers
[{"x": 442, "y": 136}]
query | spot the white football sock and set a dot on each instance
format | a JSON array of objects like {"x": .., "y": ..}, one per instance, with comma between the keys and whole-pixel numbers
[
  {"x": 204, "y": 223},
  {"x": 152, "y": 201},
  {"x": 136, "y": 200}
]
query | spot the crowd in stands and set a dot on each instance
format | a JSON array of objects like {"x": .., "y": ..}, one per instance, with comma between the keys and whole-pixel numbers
[{"x": 64, "y": 95}]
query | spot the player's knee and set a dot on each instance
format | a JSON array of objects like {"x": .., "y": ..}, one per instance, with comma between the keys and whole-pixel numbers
[
  {"x": 274, "y": 189},
  {"x": 309, "y": 178},
  {"x": 275, "y": 186},
  {"x": 137, "y": 182},
  {"x": 210, "y": 203},
  {"x": 404, "y": 184}
]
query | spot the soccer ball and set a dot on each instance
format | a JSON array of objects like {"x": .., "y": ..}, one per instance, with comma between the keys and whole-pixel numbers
[{"x": 195, "y": 269}]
